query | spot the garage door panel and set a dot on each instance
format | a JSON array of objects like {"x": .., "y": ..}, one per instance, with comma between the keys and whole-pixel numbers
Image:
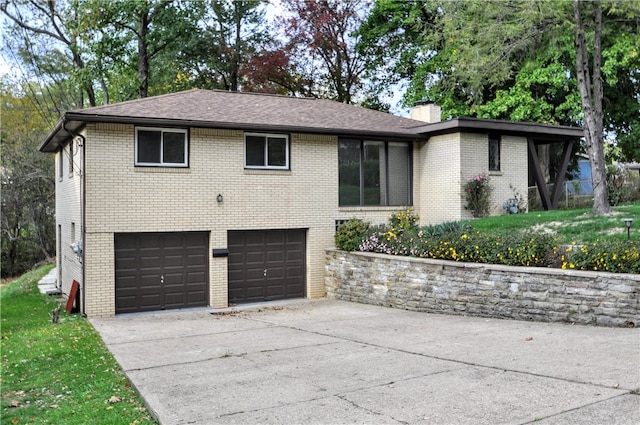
[
  {"x": 143, "y": 259},
  {"x": 276, "y": 251}
]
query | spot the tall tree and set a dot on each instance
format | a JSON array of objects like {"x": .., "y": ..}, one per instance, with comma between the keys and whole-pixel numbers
[
  {"x": 130, "y": 37},
  {"x": 591, "y": 92},
  {"x": 26, "y": 176},
  {"x": 514, "y": 60},
  {"x": 322, "y": 45},
  {"x": 231, "y": 35},
  {"x": 46, "y": 37}
]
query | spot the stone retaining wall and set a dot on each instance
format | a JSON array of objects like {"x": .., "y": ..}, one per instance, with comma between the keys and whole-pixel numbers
[{"x": 525, "y": 293}]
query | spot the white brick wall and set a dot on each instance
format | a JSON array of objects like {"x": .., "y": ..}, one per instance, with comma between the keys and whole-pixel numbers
[
  {"x": 125, "y": 198},
  {"x": 68, "y": 215}
]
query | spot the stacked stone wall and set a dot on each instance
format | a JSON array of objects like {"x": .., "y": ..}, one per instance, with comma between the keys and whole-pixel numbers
[{"x": 524, "y": 293}]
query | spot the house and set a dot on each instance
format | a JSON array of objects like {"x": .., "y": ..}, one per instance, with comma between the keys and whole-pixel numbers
[{"x": 212, "y": 198}]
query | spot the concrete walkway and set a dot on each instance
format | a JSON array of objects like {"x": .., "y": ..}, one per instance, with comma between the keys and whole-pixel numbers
[{"x": 333, "y": 362}]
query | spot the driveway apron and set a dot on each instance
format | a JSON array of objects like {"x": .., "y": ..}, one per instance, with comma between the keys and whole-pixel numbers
[{"x": 335, "y": 362}]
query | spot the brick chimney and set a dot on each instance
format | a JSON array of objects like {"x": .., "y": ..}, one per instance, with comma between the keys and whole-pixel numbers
[{"x": 426, "y": 111}]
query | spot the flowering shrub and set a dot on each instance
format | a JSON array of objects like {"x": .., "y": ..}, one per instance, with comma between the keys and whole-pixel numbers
[
  {"x": 511, "y": 249},
  {"x": 457, "y": 241},
  {"x": 477, "y": 192},
  {"x": 614, "y": 256},
  {"x": 405, "y": 220}
]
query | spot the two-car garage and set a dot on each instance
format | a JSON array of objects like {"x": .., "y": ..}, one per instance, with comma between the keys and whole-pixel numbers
[{"x": 158, "y": 271}]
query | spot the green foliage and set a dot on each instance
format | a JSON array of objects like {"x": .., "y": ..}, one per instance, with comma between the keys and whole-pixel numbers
[
  {"x": 350, "y": 234},
  {"x": 27, "y": 185},
  {"x": 610, "y": 255},
  {"x": 519, "y": 240},
  {"x": 477, "y": 194},
  {"x": 404, "y": 220},
  {"x": 617, "y": 191},
  {"x": 437, "y": 230},
  {"x": 58, "y": 373},
  {"x": 513, "y": 249}
]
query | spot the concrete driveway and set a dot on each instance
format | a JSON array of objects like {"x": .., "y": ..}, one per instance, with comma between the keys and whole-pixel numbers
[{"x": 334, "y": 362}]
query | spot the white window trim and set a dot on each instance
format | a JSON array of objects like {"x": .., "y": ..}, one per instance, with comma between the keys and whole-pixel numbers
[
  {"x": 267, "y": 167},
  {"x": 185, "y": 164}
]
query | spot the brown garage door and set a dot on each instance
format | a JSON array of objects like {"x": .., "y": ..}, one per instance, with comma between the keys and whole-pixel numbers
[
  {"x": 158, "y": 271},
  {"x": 266, "y": 265}
]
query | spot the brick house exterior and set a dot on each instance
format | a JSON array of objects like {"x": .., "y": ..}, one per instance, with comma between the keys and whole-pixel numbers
[{"x": 186, "y": 172}]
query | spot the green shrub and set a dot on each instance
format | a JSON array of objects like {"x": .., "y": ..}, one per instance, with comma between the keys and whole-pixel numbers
[
  {"x": 612, "y": 255},
  {"x": 617, "y": 192},
  {"x": 514, "y": 249},
  {"x": 350, "y": 235},
  {"x": 446, "y": 227}
]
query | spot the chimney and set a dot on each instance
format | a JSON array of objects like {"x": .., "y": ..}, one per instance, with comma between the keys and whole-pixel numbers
[{"x": 426, "y": 111}]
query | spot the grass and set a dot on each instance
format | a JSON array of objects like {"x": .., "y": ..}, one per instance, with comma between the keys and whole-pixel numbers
[
  {"x": 58, "y": 373},
  {"x": 569, "y": 226}
]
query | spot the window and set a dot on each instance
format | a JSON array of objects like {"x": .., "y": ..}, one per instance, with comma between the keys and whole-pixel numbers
[
  {"x": 494, "y": 153},
  {"x": 71, "y": 159},
  {"x": 269, "y": 151},
  {"x": 61, "y": 163},
  {"x": 374, "y": 173},
  {"x": 157, "y": 147}
]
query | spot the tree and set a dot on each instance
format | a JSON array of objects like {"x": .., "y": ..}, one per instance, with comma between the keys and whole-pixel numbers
[
  {"x": 231, "y": 35},
  {"x": 26, "y": 176},
  {"x": 46, "y": 38},
  {"x": 590, "y": 86},
  {"x": 323, "y": 48},
  {"x": 130, "y": 37},
  {"x": 514, "y": 60}
]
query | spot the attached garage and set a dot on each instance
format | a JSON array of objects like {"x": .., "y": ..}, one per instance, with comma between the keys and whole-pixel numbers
[
  {"x": 266, "y": 265},
  {"x": 161, "y": 271}
]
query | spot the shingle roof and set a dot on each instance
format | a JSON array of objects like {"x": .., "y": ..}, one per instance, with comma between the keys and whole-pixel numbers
[
  {"x": 266, "y": 112},
  {"x": 240, "y": 110}
]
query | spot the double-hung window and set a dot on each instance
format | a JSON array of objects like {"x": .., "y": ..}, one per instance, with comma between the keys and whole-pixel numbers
[
  {"x": 374, "y": 173},
  {"x": 160, "y": 147},
  {"x": 266, "y": 151}
]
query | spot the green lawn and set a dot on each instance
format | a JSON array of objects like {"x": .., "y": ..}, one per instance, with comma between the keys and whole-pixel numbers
[
  {"x": 58, "y": 373},
  {"x": 570, "y": 226}
]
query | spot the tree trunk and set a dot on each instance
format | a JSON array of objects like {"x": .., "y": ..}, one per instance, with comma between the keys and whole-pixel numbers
[
  {"x": 591, "y": 96},
  {"x": 143, "y": 55}
]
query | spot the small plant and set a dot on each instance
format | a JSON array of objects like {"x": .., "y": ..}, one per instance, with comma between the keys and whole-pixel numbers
[
  {"x": 515, "y": 205},
  {"x": 616, "y": 190},
  {"x": 446, "y": 227},
  {"x": 350, "y": 234},
  {"x": 405, "y": 220},
  {"x": 477, "y": 192}
]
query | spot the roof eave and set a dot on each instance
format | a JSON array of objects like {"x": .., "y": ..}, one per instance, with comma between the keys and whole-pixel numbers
[
  {"x": 506, "y": 127},
  {"x": 72, "y": 121}
]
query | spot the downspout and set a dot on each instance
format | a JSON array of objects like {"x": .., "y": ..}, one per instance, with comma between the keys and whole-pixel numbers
[{"x": 82, "y": 216}]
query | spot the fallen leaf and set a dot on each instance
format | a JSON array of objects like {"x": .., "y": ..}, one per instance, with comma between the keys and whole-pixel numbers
[
  {"x": 14, "y": 403},
  {"x": 530, "y": 338},
  {"x": 15, "y": 420},
  {"x": 115, "y": 399},
  {"x": 54, "y": 406}
]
